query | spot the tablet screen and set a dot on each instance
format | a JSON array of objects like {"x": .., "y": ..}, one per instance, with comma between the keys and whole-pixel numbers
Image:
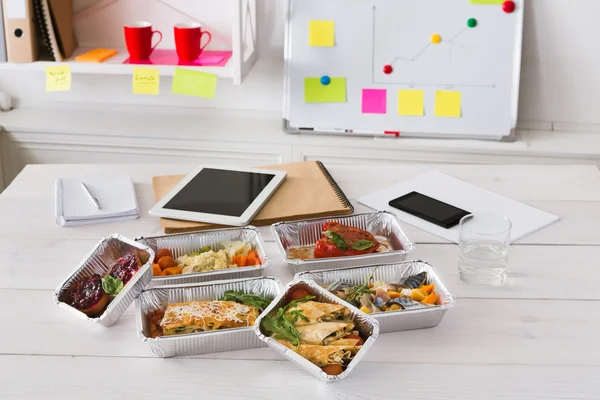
[{"x": 215, "y": 191}]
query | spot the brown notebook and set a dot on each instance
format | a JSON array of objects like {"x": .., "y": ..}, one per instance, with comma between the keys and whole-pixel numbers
[{"x": 308, "y": 191}]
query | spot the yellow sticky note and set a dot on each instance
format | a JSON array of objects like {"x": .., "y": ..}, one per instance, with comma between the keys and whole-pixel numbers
[
  {"x": 411, "y": 103},
  {"x": 316, "y": 92},
  {"x": 194, "y": 83},
  {"x": 492, "y": 2},
  {"x": 146, "y": 80},
  {"x": 58, "y": 79},
  {"x": 321, "y": 33},
  {"x": 447, "y": 104}
]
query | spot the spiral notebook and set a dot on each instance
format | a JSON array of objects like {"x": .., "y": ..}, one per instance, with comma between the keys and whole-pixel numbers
[
  {"x": 115, "y": 196},
  {"x": 309, "y": 191}
]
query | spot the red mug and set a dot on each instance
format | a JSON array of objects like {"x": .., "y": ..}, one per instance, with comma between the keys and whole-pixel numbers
[
  {"x": 188, "y": 40},
  {"x": 138, "y": 36}
]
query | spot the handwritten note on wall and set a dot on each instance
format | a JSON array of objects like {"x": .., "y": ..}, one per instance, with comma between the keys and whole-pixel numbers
[
  {"x": 146, "y": 81},
  {"x": 58, "y": 78},
  {"x": 194, "y": 83}
]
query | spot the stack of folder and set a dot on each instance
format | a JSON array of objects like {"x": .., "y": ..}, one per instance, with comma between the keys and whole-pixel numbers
[{"x": 36, "y": 29}]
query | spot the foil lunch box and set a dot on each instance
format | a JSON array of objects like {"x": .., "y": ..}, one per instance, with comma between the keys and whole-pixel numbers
[
  {"x": 159, "y": 297},
  {"x": 306, "y": 233},
  {"x": 185, "y": 243},
  {"x": 99, "y": 261},
  {"x": 393, "y": 321},
  {"x": 367, "y": 327}
]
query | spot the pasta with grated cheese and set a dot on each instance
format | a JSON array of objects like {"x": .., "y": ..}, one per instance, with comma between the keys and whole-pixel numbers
[{"x": 203, "y": 316}]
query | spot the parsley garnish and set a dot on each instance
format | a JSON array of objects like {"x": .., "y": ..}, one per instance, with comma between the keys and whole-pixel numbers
[{"x": 356, "y": 292}]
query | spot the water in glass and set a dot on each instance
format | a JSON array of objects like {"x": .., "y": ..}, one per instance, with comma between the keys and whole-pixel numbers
[{"x": 483, "y": 246}]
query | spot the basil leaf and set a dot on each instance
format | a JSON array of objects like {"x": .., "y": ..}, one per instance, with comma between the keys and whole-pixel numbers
[
  {"x": 362, "y": 244},
  {"x": 112, "y": 285},
  {"x": 338, "y": 240}
]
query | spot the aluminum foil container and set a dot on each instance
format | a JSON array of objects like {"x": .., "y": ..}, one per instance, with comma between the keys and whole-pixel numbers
[
  {"x": 159, "y": 297},
  {"x": 181, "y": 244},
  {"x": 99, "y": 261},
  {"x": 393, "y": 321},
  {"x": 367, "y": 326},
  {"x": 307, "y": 232}
]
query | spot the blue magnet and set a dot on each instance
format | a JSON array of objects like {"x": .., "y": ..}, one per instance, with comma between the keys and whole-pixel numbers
[{"x": 325, "y": 80}]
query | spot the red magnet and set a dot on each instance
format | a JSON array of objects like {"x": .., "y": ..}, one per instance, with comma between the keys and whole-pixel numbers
[
  {"x": 387, "y": 69},
  {"x": 508, "y": 6}
]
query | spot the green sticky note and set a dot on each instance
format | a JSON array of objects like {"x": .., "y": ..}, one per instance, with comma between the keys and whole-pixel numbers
[
  {"x": 316, "y": 92},
  {"x": 411, "y": 103},
  {"x": 194, "y": 83},
  {"x": 492, "y": 2},
  {"x": 447, "y": 103}
]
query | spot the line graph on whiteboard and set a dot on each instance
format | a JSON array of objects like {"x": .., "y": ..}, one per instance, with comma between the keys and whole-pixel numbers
[{"x": 421, "y": 55}]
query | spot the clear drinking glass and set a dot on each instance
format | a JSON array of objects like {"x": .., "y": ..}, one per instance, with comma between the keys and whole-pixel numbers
[{"x": 483, "y": 244}]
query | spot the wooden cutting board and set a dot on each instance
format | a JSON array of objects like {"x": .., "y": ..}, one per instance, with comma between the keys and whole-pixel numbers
[{"x": 308, "y": 191}]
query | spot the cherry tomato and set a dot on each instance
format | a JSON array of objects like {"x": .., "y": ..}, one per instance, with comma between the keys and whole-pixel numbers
[
  {"x": 333, "y": 369},
  {"x": 360, "y": 341},
  {"x": 299, "y": 294}
]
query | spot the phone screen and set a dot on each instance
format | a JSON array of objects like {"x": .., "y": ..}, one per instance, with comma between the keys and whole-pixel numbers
[{"x": 429, "y": 209}]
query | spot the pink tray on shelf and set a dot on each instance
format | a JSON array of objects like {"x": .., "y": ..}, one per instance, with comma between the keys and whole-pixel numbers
[{"x": 208, "y": 58}]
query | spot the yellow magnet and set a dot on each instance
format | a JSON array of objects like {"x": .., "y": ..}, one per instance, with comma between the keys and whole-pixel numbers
[{"x": 436, "y": 39}]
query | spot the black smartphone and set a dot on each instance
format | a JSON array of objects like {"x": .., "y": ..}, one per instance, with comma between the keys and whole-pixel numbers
[{"x": 429, "y": 209}]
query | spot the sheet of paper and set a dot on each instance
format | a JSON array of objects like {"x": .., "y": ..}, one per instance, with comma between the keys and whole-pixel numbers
[
  {"x": 447, "y": 103},
  {"x": 146, "y": 81},
  {"x": 411, "y": 103},
  {"x": 194, "y": 83},
  {"x": 15, "y": 9},
  {"x": 321, "y": 33},
  {"x": 374, "y": 101},
  {"x": 58, "y": 79},
  {"x": 316, "y": 92},
  {"x": 492, "y": 2},
  {"x": 525, "y": 219}
]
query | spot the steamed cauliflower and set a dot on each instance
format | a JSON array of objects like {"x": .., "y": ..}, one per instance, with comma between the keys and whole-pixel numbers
[{"x": 209, "y": 261}]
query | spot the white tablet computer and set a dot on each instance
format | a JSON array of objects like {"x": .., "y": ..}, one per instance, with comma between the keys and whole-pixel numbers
[{"x": 219, "y": 195}]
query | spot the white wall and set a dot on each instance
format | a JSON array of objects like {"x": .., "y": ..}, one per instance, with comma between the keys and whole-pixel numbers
[{"x": 560, "y": 79}]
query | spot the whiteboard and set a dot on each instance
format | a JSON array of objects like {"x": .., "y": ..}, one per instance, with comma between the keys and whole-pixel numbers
[{"x": 482, "y": 63}]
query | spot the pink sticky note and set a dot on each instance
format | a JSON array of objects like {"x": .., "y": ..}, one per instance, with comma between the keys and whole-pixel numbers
[{"x": 374, "y": 101}]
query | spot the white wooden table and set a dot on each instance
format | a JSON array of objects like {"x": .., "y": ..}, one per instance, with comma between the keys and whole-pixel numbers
[{"x": 530, "y": 339}]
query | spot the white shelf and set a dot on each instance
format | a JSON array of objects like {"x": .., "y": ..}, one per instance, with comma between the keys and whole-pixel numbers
[
  {"x": 115, "y": 66},
  {"x": 98, "y": 24}
]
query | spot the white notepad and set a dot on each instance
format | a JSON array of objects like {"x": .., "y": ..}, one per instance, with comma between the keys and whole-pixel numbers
[
  {"x": 525, "y": 219},
  {"x": 115, "y": 195}
]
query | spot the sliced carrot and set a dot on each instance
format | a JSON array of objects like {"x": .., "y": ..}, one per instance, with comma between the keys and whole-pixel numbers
[
  {"x": 240, "y": 261},
  {"x": 253, "y": 258},
  {"x": 431, "y": 299},
  {"x": 156, "y": 271},
  {"x": 393, "y": 295},
  {"x": 438, "y": 300},
  {"x": 172, "y": 271},
  {"x": 428, "y": 288}
]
